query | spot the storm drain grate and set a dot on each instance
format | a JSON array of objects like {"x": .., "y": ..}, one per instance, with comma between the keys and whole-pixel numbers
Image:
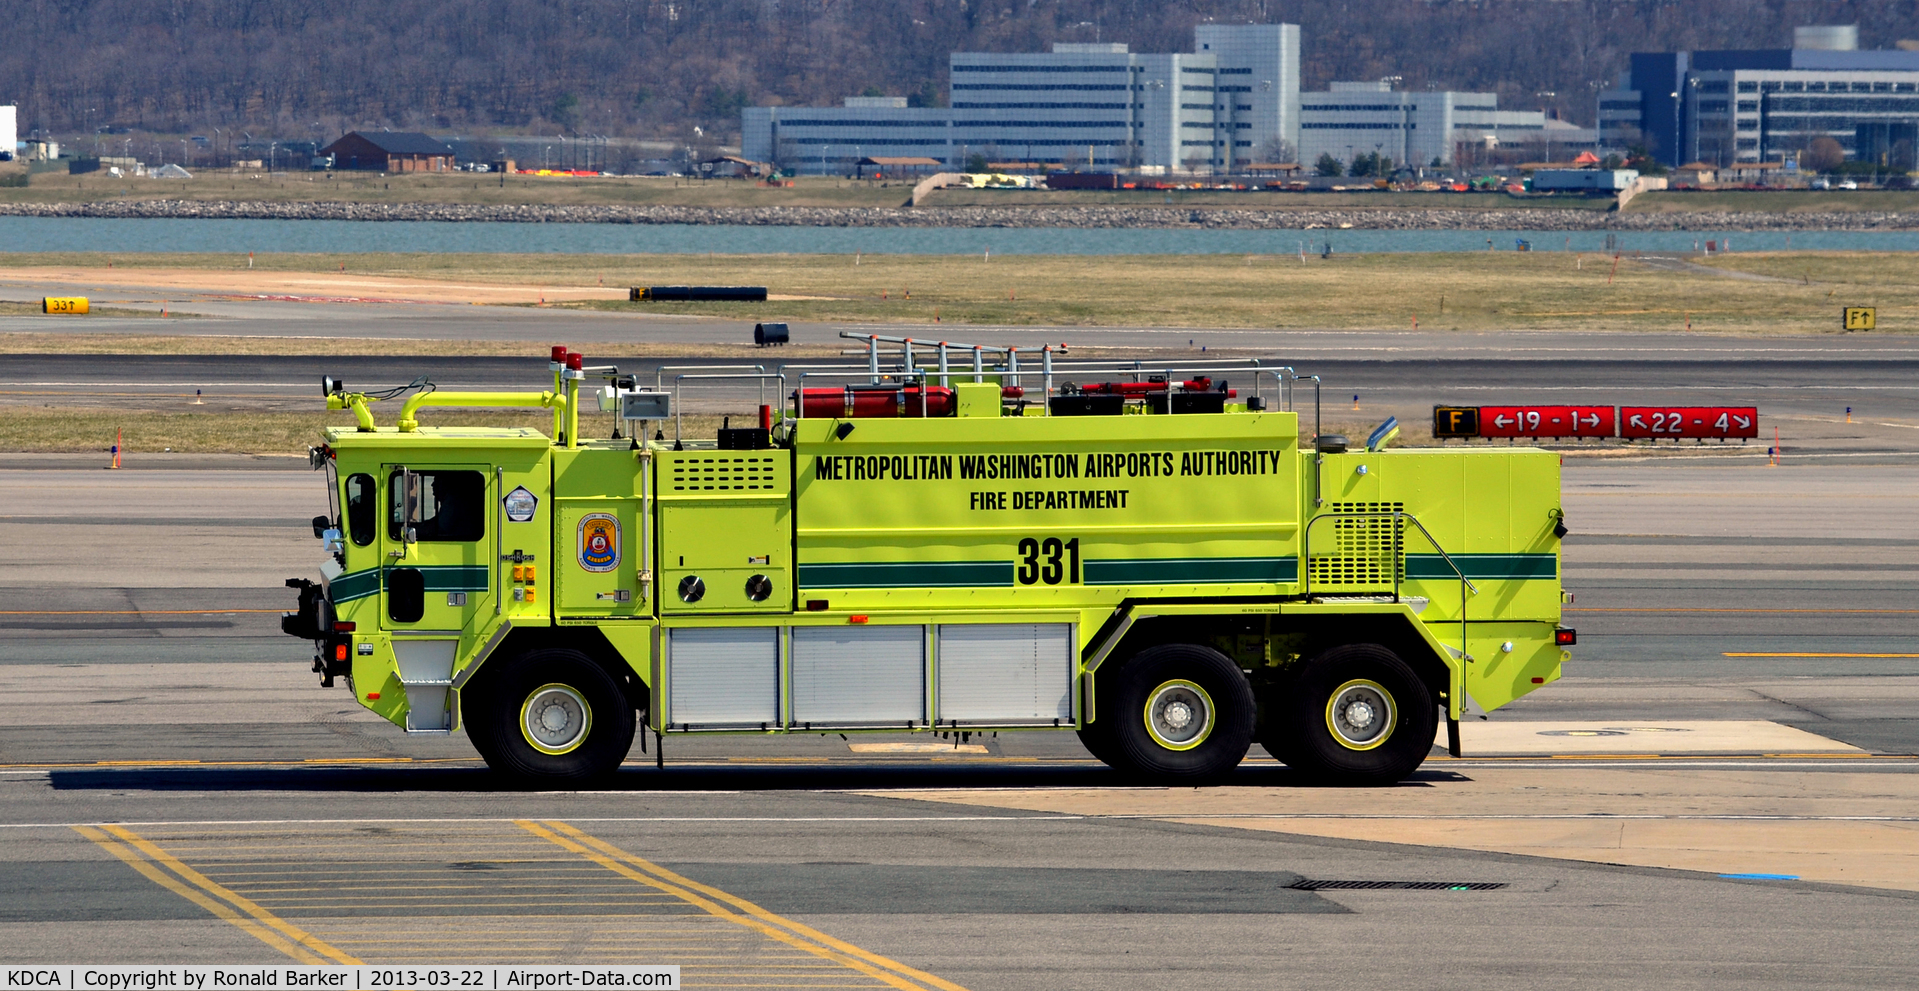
[{"x": 1311, "y": 885}]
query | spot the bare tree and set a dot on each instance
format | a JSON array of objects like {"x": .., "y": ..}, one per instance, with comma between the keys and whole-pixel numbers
[
  {"x": 1821, "y": 155},
  {"x": 652, "y": 66}
]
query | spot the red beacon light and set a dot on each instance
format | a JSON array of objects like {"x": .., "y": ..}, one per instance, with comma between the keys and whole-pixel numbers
[{"x": 575, "y": 361}]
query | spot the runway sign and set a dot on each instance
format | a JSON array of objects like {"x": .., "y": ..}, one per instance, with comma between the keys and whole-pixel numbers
[
  {"x": 64, "y": 304},
  {"x": 1861, "y": 318},
  {"x": 1455, "y": 421},
  {"x": 1656, "y": 422},
  {"x": 1545, "y": 421}
]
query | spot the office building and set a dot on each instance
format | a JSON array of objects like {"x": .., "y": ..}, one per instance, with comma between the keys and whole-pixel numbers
[
  {"x": 1232, "y": 101},
  {"x": 1728, "y": 107},
  {"x": 1364, "y": 118},
  {"x": 9, "y": 132}
]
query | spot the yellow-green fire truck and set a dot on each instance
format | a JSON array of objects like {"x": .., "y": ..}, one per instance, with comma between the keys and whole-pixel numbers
[{"x": 1157, "y": 562}]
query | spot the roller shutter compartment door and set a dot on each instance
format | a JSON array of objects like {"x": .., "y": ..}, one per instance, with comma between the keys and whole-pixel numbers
[
  {"x": 859, "y": 676},
  {"x": 1006, "y": 673},
  {"x": 723, "y": 677}
]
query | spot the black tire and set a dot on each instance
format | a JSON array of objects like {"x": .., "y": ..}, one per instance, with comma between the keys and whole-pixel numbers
[
  {"x": 585, "y": 721},
  {"x": 1200, "y": 720},
  {"x": 1331, "y": 724}
]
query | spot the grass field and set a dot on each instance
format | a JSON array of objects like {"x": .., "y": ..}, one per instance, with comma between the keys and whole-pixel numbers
[
  {"x": 87, "y": 429},
  {"x": 1463, "y": 292},
  {"x": 81, "y": 429},
  {"x": 467, "y": 188},
  {"x": 1777, "y": 201},
  {"x": 1834, "y": 268},
  {"x": 59, "y": 343},
  {"x": 1475, "y": 291}
]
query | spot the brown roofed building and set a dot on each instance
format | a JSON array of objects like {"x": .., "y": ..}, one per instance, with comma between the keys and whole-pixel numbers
[{"x": 390, "y": 151}]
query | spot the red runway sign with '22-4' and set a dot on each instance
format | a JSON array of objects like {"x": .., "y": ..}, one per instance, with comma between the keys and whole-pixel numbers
[
  {"x": 1546, "y": 421},
  {"x": 1688, "y": 421}
]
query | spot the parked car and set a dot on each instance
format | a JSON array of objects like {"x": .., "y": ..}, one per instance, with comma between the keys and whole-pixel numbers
[
  {"x": 1820, "y": 183},
  {"x": 1848, "y": 184}
]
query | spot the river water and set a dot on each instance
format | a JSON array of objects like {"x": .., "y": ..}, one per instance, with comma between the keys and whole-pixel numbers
[{"x": 351, "y": 237}]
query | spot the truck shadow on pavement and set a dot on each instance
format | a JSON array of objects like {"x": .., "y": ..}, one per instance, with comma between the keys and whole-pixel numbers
[{"x": 853, "y": 777}]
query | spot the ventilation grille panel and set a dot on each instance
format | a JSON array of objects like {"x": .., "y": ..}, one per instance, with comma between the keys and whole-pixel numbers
[
  {"x": 725, "y": 474},
  {"x": 1358, "y": 552}
]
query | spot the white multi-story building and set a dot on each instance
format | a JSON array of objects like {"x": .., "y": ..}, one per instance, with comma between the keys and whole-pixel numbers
[
  {"x": 1260, "y": 65},
  {"x": 1417, "y": 129},
  {"x": 9, "y": 131},
  {"x": 1098, "y": 106}
]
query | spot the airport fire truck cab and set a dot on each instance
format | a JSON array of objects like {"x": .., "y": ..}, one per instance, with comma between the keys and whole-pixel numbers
[{"x": 1147, "y": 556}]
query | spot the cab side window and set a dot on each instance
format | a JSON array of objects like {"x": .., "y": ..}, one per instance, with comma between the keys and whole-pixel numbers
[
  {"x": 447, "y": 505},
  {"x": 362, "y": 509}
]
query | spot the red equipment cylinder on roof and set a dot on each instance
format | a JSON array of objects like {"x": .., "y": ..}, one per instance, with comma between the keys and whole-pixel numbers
[{"x": 867, "y": 401}]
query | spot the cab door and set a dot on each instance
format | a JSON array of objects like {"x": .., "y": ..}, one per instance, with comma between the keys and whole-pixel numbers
[{"x": 437, "y": 548}]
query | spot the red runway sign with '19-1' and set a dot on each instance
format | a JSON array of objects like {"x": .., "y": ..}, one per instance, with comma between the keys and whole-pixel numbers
[{"x": 1546, "y": 421}]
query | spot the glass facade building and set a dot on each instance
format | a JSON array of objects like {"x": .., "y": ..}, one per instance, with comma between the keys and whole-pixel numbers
[
  {"x": 1728, "y": 107},
  {"x": 1232, "y": 101}
]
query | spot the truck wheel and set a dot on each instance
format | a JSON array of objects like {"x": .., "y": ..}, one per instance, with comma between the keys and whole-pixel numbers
[
  {"x": 551, "y": 715},
  {"x": 1180, "y": 713},
  {"x": 1357, "y": 715}
]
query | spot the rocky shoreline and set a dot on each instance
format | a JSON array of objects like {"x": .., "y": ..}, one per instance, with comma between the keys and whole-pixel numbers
[{"x": 1082, "y": 217}]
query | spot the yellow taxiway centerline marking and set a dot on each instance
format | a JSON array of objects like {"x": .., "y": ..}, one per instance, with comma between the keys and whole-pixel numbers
[
  {"x": 290, "y": 939},
  {"x": 1802, "y": 653},
  {"x": 785, "y": 930}
]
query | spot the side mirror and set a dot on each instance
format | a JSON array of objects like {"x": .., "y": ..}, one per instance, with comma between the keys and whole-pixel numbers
[
  {"x": 321, "y": 525},
  {"x": 412, "y": 535}
]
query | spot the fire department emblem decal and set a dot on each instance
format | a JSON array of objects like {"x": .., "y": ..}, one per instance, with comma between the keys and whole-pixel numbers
[{"x": 599, "y": 544}]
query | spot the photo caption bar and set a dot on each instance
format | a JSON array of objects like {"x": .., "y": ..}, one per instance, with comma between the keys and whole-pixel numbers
[{"x": 478, "y": 977}]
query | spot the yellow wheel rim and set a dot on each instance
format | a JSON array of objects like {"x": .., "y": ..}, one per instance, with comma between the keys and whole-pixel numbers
[
  {"x": 555, "y": 719},
  {"x": 1179, "y": 715},
  {"x": 1361, "y": 715}
]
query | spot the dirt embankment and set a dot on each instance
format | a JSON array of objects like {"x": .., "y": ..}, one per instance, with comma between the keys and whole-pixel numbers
[{"x": 1034, "y": 216}]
